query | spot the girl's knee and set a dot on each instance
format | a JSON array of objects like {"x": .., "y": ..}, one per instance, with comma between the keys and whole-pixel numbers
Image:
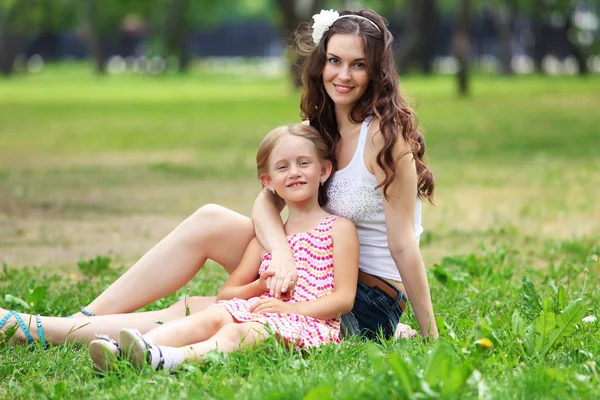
[
  {"x": 242, "y": 334},
  {"x": 215, "y": 317}
]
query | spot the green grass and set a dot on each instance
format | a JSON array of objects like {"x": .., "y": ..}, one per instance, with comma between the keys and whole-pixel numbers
[{"x": 107, "y": 166}]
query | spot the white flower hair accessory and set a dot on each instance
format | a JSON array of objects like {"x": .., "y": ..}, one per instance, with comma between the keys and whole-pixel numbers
[
  {"x": 323, "y": 21},
  {"x": 326, "y": 18}
]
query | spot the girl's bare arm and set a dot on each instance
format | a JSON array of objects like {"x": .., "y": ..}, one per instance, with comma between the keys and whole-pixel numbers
[
  {"x": 345, "y": 267},
  {"x": 244, "y": 282}
]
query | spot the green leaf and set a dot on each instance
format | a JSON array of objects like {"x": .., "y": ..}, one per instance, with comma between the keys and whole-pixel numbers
[
  {"x": 323, "y": 392},
  {"x": 545, "y": 323},
  {"x": 438, "y": 365},
  {"x": 566, "y": 321},
  {"x": 518, "y": 324},
  {"x": 457, "y": 379},
  {"x": 548, "y": 305},
  {"x": 376, "y": 357},
  {"x": 37, "y": 297},
  {"x": 529, "y": 340},
  {"x": 443, "y": 276},
  {"x": 187, "y": 308},
  {"x": 531, "y": 304},
  {"x": 403, "y": 373},
  {"x": 561, "y": 298},
  {"x": 13, "y": 300}
]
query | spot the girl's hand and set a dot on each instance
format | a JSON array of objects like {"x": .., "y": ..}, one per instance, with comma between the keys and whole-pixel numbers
[
  {"x": 283, "y": 275},
  {"x": 404, "y": 331},
  {"x": 272, "y": 305},
  {"x": 264, "y": 278}
]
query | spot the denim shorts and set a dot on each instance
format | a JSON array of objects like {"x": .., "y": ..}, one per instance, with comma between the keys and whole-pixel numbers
[{"x": 373, "y": 312}]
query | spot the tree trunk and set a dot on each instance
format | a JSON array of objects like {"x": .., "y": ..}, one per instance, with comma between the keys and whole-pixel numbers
[
  {"x": 572, "y": 47},
  {"x": 505, "y": 21},
  {"x": 539, "y": 37},
  {"x": 416, "y": 39},
  {"x": 94, "y": 36},
  {"x": 11, "y": 43},
  {"x": 295, "y": 12},
  {"x": 175, "y": 34},
  {"x": 462, "y": 46}
]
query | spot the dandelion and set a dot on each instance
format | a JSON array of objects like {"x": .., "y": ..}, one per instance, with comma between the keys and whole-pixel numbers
[
  {"x": 485, "y": 343},
  {"x": 590, "y": 319}
]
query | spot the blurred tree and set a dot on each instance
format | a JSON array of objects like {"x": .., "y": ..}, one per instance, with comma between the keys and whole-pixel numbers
[
  {"x": 504, "y": 13},
  {"x": 462, "y": 46},
  {"x": 171, "y": 22},
  {"x": 15, "y": 20},
  {"x": 175, "y": 33},
  {"x": 103, "y": 20},
  {"x": 416, "y": 39},
  {"x": 293, "y": 13},
  {"x": 52, "y": 18}
]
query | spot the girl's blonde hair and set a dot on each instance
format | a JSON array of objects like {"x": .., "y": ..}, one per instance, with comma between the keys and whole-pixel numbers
[{"x": 300, "y": 130}]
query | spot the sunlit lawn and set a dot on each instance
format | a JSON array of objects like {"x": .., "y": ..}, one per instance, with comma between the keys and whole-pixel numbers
[{"x": 107, "y": 166}]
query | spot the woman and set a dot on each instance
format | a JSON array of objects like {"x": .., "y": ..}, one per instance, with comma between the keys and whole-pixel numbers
[{"x": 351, "y": 97}]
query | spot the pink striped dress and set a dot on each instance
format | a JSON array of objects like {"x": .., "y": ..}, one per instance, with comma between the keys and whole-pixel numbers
[{"x": 313, "y": 252}]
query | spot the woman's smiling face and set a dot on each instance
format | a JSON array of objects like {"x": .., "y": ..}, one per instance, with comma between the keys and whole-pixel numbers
[{"x": 345, "y": 75}]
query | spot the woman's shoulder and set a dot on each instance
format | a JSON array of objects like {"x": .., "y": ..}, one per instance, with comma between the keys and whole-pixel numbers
[{"x": 377, "y": 140}]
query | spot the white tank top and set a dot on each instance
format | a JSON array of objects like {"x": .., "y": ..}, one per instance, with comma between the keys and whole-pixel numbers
[{"x": 352, "y": 195}]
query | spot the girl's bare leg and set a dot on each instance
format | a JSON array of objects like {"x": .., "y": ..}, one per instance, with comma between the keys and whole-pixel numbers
[
  {"x": 191, "y": 329},
  {"x": 229, "y": 338},
  {"x": 83, "y": 330},
  {"x": 213, "y": 232}
]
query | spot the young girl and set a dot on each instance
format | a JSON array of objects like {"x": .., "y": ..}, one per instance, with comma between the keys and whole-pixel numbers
[{"x": 293, "y": 163}]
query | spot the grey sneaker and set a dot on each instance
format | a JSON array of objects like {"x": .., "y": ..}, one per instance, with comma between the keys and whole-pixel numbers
[
  {"x": 140, "y": 352},
  {"x": 105, "y": 353},
  {"x": 135, "y": 348}
]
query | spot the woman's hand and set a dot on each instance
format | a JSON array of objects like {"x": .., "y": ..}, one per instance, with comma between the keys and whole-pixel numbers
[
  {"x": 272, "y": 305},
  {"x": 281, "y": 274},
  {"x": 404, "y": 331}
]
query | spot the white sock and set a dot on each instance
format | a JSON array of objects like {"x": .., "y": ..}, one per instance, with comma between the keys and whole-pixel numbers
[{"x": 172, "y": 357}]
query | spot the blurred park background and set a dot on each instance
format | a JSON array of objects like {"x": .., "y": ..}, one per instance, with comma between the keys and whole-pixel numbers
[{"x": 118, "y": 118}]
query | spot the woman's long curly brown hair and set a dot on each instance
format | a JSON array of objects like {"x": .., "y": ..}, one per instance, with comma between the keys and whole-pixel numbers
[{"x": 381, "y": 100}]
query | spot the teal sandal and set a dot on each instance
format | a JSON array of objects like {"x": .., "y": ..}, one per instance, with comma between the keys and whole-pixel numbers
[
  {"x": 24, "y": 328},
  {"x": 85, "y": 312}
]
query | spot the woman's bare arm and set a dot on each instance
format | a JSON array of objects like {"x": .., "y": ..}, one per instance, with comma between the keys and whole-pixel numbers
[
  {"x": 281, "y": 274},
  {"x": 399, "y": 211}
]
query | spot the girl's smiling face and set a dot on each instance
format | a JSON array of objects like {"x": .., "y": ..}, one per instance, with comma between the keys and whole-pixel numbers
[
  {"x": 295, "y": 171},
  {"x": 345, "y": 75}
]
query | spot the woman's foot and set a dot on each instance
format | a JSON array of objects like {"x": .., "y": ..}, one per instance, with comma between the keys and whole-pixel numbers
[
  {"x": 140, "y": 352},
  {"x": 105, "y": 352},
  {"x": 19, "y": 330}
]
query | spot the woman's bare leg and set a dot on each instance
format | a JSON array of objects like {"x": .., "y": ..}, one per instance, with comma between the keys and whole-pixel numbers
[
  {"x": 83, "y": 330},
  {"x": 213, "y": 232},
  {"x": 229, "y": 338}
]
